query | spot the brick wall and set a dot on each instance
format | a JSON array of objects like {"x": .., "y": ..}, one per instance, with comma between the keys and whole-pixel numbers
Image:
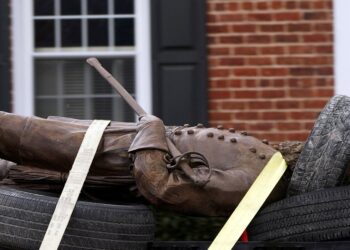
[{"x": 270, "y": 65}]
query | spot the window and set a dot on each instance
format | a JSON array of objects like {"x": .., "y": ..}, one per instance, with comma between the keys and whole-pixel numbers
[{"x": 50, "y": 73}]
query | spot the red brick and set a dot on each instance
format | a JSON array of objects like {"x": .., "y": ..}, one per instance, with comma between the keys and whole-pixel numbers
[
  {"x": 274, "y": 115},
  {"x": 301, "y": 92},
  {"x": 301, "y": 49},
  {"x": 319, "y": 60},
  {"x": 213, "y": 62},
  {"x": 235, "y": 83},
  {"x": 314, "y": 104},
  {"x": 273, "y": 93},
  {"x": 286, "y": 104},
  {"x": 325, "y": 92},
  {"x": 245, "y": 71},
  {"x": 245, "y": 94},
  {"x": 272, "y": 28},
  {"x": 214, "y": 105},
  {"x": 262, "y": 6},
  {"x": 316, "y": 16},
  {"x": 244, "y": 28},
  {"x": 250, "y": 83},
  {"x": 304, "y": 82},
  {"x": 277, "y": 4},
  {"x": 219, "y": 72},
  {"x": 302, "y": 71},
  {"x": 291, "y": 60},
  {"x": 217, "y": 28},
  {"x": 261, "y": 126},
  {"x": 259, "y": 17},
  {"x": 272, "y": 50},
  {"x": 304, "y": 115},
  {"x": 309, "y": 125},
  {"x": 231, "y": 61},
  {"x": 300, "y": 136},
  {"x": 324, "y": 49},
  {"x": 289, "y": 126},
  {"x": 319, "y": 5},
  {"x": 287, "y": 16},
  {"x": 299, "y": 27},
  {"x": 258, "y": 39},
  {"x": 211, "y": 18},
  {"x": 232, "y": 6},
  {"x": 219, "y": 94},
  {"x": 246, "y": 115},
  {"x": 315, "y": 38},
  {"x": 218, "y": 51},
  {"x": 245, "y": 50},
  {"x": 218, "y": 83},
  {"x": 231, "y": 105},
  {"x": 325, "y": 71},
  {"x": 279, "y": 82},
  {"x": 247, "y": 5},
  {"x": 231, "y": 39},
  {"x": 259, "y": 61},
  {"x": 323, "y": 26},
  {"x": 266, "y": 83},
  {"x": 291, "y": 4},
  {"x": 274, "y": 71},
  {"x": 286, "y": 38},
  {"x": 305, "y": 5},
  {"x": 231, "y": 17},
  {"x": 260, "y": 105},
  {"x": 219, "y": 6}
]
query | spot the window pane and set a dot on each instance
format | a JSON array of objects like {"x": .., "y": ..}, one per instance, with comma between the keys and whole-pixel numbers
[
  {"x": 75, "y": 89},
  {"x": 124, "y": 31},
  {"x": 45, "y": 107},
  {"x": 43, "y": 7},
  {"x": 112, "y": 108},
  {"x": 123, "y": 6},
  {"x": 71, "y": 33},
  {"x": 44, "y": 33},
  {"x": 123, "y": 69},
  {"x": 97, "y": 7},
  {"x": 98, "y": 33},
  {"x": 73, "y": 77},
  {"x": 74, "y": 108},
  {"x": 46, "y": 77},
  {"x": 70, "y": 7}
]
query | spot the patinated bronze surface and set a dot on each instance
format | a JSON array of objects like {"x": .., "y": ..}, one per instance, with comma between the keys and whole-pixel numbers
[{"x": 228, "y": 159}]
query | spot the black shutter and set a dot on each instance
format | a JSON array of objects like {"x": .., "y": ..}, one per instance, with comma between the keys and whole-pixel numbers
[
  {"x": 179, "y": 61},
  {"x": 4, "y": 56}
]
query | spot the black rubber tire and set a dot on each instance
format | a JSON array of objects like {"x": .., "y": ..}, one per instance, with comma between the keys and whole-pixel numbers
[
  {"x": 316, "y": 216},
  {"x": 326, "y": 153},
  {"x": 24, "y": 217}
]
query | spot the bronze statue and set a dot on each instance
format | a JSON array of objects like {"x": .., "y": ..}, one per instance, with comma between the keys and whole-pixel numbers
[{"x": 225, "y": 162}]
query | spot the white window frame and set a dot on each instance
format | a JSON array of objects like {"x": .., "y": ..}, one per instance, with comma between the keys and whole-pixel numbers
[
  {"x": 23, "y": 55},
  {"x": 341, "y": 46}
]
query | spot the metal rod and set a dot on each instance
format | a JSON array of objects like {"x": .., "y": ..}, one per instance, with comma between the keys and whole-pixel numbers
[{"x": 116, "y": 85}]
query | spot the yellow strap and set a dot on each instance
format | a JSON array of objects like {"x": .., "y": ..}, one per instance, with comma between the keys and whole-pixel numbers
[
  {"x": 250, "y": 204},
  {"x": 73, "y": 186}
]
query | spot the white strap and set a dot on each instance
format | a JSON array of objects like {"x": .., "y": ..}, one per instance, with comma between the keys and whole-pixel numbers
[
  {"x": 73, "y": 186},
  {"x": 250, "y": 204}
]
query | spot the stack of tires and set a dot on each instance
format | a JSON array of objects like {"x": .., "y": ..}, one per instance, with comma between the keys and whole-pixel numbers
[
  {"x": 25, "y": 215},
  {"x": 317, "y": 207}
]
